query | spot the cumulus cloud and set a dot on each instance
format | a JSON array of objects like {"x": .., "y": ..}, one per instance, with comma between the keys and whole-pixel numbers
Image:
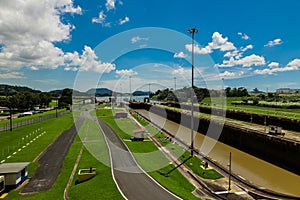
[
  {"x": 11, "y": 75},
  {"x": 180, "y": 55},
  {"x": 227, "y": 74},
  {"x": 138, "y": 39},
  {"x": 291, "y": 66},
  {"x": 123, "y": 21},
  {"x": 28, "y": 42},
  {"x": 218, "y": 42},
  {"x": 182, "y": 72},
  {"x": 273, "y": 65},
  {"x": 247, "y": 61},
  {"x": 110, "y": 4},
  {"x": 101, "y": 19},
  {"x": 198, "y": 50},
  {"x": 88, "y": 61},
  {"x": 126, "y": 72},
  {"x": 243, "y": 36},
  {"x": 275, "y": 42}
]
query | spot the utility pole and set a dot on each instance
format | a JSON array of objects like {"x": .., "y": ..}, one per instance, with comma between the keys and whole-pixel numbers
[
  {"x": 130, "y": 87},
  {"x": 192, "y": 31},
  {"x": 229, "y": 178}
]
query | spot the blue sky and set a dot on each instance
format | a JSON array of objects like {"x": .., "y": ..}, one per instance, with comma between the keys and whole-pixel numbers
[{"x": 82, "y": 44}]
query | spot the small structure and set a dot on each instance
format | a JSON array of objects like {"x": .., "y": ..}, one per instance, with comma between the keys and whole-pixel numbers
[
  {"x": 275, "y": 130},
  {"x": 2, "y": 184},
  {"x": 14, "y": 173},
  {"x": 121, "y": 114},
  {"x": 138, "y": 135},
  {"x": 86, "y": 174}
]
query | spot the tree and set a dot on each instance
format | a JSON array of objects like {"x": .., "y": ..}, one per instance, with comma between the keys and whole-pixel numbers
[{"x": 66, "y": 98}]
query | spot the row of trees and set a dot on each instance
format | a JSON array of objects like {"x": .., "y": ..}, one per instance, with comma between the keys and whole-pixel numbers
[
  {"x": 28, "y": 100},
  {"x": 185, "y": 93}
]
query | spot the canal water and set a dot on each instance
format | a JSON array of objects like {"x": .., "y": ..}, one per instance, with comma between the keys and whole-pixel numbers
[{"x": 253, "y": 169}]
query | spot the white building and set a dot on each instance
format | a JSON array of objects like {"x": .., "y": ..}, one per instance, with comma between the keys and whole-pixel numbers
[{"x": 287, "y": 91}]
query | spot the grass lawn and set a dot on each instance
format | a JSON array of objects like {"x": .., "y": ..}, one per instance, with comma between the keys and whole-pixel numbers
[
  {"x": 281, "y": 112},
  {"x": 102, "y": 185},
  {"x": 25, "y": 118},
  {"x": 53, "y": 128},
  {"x": 145, "y": 151},
  {"x": 194, "y": 163}
]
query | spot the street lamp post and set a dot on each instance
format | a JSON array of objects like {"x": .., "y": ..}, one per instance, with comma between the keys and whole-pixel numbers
[
  {"x": 56, "y": 107},
  {"x": 192, "y": 31},
  {"x": 130, "y": 87}
]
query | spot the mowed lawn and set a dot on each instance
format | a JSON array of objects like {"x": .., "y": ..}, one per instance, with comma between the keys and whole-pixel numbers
[
  {"x": 145, "y": 153},
  {"x": 17, "y": 139}
]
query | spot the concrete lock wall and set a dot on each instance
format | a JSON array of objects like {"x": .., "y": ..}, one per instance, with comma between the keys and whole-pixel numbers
[
  {"x": 285, "y": 123},
  {"x": 276, "y": 150}
]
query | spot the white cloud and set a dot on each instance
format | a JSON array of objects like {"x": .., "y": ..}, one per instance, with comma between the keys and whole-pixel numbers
[
  {"x": 138, "y": 39},
  {"x": 244, "y": 36},
  {"x": 123, "y": 21},
  {"x": 218, "y": 42},
  {"x": 27, "y": 37},
  {"x": 110, "y": 4},
  {"x": 248, "y": 61},
  {"x": 126, "y": 72},
  {"x": 275, "y": 42},
  {"x": 66, "y": 6},
  {"x": 273, "y": 65},
  {"x": 88, "y": 61},
  {"x": 101, "y": 19},
  {"x": 182, "y": 72},
  {"x": 238, "y": 54},
  {"x": 291, "y": 66},
  {"x": 12, "y": 75},
  {"x": 28, "y": 42},
  {"x": 227, "y": 74},
  {"x": 198, "y": 50},
  {"x": 180, "y": 55}
]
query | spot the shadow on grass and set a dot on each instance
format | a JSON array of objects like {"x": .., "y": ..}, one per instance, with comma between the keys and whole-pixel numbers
[{"x": 176, "y": 167}]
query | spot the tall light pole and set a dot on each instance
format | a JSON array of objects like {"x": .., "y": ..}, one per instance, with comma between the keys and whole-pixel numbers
[
  {"x": 174, "y": 84},
  {"x": 130, "y": 87},
  {"x": 192, "y": 31},
  {"x": 149, "y": 91}
]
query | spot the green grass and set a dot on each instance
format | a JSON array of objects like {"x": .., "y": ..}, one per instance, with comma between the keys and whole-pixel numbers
[
  {"x": 21, "y": 119},
  {"x": 145, "y": 151},
  {"x": 279, "y": 112},
  {"x": 174, "y": 182},
  {"x": 12, "y": 141},
  {"x": 57, "y": 190},
  {"x": 195, "y": 164},
  {"x": 102, "y": 185}
]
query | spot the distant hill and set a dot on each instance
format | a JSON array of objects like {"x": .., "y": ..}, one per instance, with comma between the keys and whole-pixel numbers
[
  {"x": 100, "y": 91},
  {"x": 12, "y": 90},
  {"x": 57, "y": 93},
  {"x": 140, "y": 93}
]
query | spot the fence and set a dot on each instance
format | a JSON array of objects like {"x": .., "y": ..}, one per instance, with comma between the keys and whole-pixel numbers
[{"x": 20, "y": 123}]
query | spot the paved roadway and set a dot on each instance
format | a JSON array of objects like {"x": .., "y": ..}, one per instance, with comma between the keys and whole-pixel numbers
[
  {"x": 132, "y": 181},
  {"x": 51, "y": 162}
]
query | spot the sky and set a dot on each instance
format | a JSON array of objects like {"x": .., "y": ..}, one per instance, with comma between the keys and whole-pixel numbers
[{"x": 128, "y": 45}]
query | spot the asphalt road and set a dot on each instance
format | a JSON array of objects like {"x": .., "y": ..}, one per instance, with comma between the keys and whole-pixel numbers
[
  {"x": 132, "y": 181},
  {"x": 51, "y": 162}
]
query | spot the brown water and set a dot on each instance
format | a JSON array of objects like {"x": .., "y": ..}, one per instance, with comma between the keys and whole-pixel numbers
[{"x": 253, "y": 169}]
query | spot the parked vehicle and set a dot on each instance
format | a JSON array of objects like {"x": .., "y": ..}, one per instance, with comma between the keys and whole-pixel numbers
[{"x": 275, "y": 130}]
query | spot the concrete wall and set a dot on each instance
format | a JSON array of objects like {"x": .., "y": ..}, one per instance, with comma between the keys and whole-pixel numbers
[
  {"x": 285, "y": 123},
  {"x": 283, "y": 153}
]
